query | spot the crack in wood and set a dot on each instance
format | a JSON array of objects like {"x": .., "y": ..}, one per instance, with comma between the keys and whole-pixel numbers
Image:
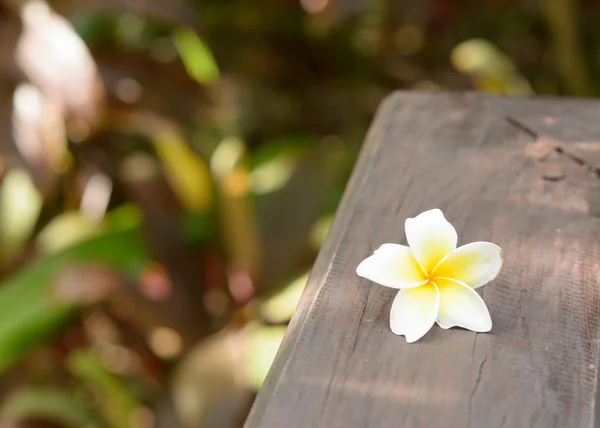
[
  {"x": 578, "y": 160},
  {"x": 360, "y": 318},
  {"x": 473, "y": 348},
  {"x": 503, "y": 421},
  {"x": 522, "y": 127},
  {"x": 474, "y": 390}
]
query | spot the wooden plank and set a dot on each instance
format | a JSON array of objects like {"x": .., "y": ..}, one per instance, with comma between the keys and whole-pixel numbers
[{"x": 474, "y": 157}]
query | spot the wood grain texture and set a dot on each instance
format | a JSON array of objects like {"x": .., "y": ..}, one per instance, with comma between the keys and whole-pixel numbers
[{"x": 485, "y": 161}]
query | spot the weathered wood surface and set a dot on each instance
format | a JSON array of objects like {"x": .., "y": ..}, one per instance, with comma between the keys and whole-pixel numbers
[{"x": 522, "y": 173}]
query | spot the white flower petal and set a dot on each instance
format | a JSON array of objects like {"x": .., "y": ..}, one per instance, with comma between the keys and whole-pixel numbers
[
  {"x": 414, "y": 311},
  {"x": 475, "y": 264},
  {"x": 393, "y": 266},
  {"x": 431, "y": 237},
  {"x": 461, "y": 306}
]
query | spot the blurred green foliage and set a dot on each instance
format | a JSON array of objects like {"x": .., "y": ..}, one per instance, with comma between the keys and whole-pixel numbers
[{"x": 169, "y": 170}]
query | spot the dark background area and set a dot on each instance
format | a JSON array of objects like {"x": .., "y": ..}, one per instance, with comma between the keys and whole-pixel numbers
[{"x": 169, "y": 171}]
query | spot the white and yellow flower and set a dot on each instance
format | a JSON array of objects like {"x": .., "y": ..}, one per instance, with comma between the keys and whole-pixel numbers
[{"x": 437, "y": 281}]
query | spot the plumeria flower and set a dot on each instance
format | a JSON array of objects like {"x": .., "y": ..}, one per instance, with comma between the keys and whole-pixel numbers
[{"x": 437, "y": 281}]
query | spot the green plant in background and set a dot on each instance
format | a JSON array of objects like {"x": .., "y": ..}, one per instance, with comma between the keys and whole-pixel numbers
[{"x": 174, "y": 168}]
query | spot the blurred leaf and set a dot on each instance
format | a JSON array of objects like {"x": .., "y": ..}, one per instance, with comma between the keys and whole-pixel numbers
[
  {"x": 272, "y": 175},
  {"x": 262, "y": 344},
  {"x": 490, "y": 70},
  {"x": 288, "y": 146},
  {"x": 242, "y": 239},
  {"x": 208, "y": 386},
  {"x": 187, "y": 173},
  {"x": 563, "y": 24},
  {"x": 20, "y": 205},
  {"x": 127, "y": 216},
  {"x": 48, "y": 403},
  {"x": 196, "y": 56},
  {"x": 274, "y": 163},
  {"x": 55, "y": 59},
  {"x": 70, "y": 228},
  {"x": 229, "y": 154},
  {"x": 281, "y": 307},
  {"x": 39, "y": 134},
  {"x": 93, "y": 27},
  {"x": 130, "y": 30},
  {"x": 30, "y": 313},
  {"x": 320, "y": 230},
  {"x": 117, "y": 403},
  {"x": 65, "y": 230},
  {"x": 197, "y": 228}
]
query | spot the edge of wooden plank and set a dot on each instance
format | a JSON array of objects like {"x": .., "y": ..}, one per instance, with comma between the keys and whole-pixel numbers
[{"x": 324, "y": 260}]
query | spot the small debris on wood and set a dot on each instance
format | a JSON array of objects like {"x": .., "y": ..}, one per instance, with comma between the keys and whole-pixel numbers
[
  {"x": 553, "y": 171},
  {"x": 539, "y": 149}
]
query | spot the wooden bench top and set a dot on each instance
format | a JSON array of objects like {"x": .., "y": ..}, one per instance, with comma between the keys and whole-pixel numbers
[{"x": 522, "y": 173}]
